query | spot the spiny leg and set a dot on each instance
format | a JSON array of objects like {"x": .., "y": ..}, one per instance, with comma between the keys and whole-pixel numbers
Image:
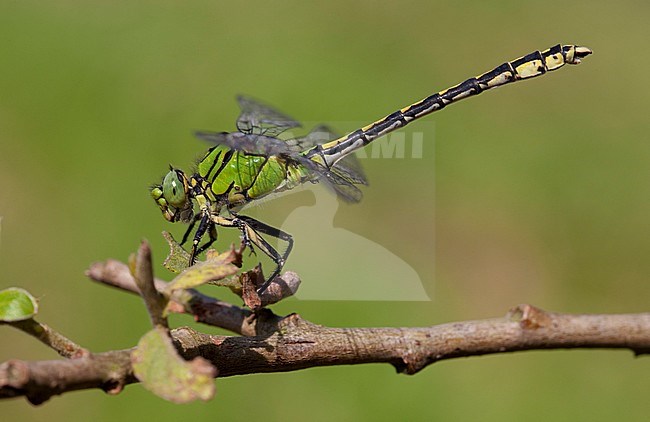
[
  {"x": 279, "y": 260},
  {"x": 249, "y": 228},
  {"x": 204, "y": 225},
  {"x": 212, "y": 232},
  {"x": 196, "y": 218},
  {"x": 271, "y": 231}
]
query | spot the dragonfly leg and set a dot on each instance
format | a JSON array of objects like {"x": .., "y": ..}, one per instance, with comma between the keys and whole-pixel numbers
[
  {"x": 271, "y": 231},
  {"x": 252, "y": 231},
  {"x": 204, "y": 225},
  {"x": 212, "y": 232},
  {"x": 248, "y": 237},
  {"x": 196, "y": 218},
  {"x": 263, "y": 228}
]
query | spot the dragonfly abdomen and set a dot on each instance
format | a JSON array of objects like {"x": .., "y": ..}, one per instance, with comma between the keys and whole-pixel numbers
[{"x": 534, "y": 64}]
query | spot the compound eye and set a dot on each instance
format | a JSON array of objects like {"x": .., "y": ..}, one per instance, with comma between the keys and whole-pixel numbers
[{"x": 174, "y": 189}]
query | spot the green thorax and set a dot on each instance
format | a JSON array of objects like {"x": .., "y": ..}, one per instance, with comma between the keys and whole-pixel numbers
[{"x": 240, "y": 178}]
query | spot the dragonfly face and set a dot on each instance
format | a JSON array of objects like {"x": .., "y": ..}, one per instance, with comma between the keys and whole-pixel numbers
[{"x": 172, "y": 197}]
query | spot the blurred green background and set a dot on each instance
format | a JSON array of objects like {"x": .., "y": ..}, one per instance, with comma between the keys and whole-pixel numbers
[{"x": 537, "y": 193}]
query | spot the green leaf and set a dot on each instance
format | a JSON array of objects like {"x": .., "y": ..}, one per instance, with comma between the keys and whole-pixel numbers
[
  {"x": 17, "y": 304},
  {"x": 163, "y": 372},
  {"x": 178, "y": 257},
  {"x": 214, "y": 269}
]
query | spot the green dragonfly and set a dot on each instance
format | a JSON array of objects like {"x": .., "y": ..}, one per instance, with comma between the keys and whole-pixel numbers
[{"x": 253, "y": 162}]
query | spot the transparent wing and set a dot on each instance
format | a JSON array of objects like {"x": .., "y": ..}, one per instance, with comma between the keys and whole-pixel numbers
[
  {"x": 318, "y": 135},
  {"x": 259, "y": 125},
  {"x": 248, "y": 143},
  {"x": 344, "y": 189},
  {"x": 260, "y": 119},
  {"x": 348, "y": 167},
  {"x": 339, "y": 183}
]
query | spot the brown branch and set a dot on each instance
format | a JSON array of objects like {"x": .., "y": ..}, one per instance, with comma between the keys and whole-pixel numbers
[
  {"x": 298, "y": 344},
  {"x": 295, "y": 344},
  {"x": 275, "y": 344},
  {"x": 40, "y": 380},
  {"x": 143, "y": 278},
  {"x": 55, "y": 340},
  {"x": 204, "y": 308}
]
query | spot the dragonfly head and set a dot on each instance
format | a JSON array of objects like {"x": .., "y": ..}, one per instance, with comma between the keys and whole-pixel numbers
[{"x": 172, "y": 196}]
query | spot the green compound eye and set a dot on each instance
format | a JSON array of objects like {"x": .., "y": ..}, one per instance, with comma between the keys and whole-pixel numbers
[{"x": 174, "y": 189}]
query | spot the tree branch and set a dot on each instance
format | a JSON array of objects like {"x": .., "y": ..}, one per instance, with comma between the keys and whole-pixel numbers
[
  {"x": 271, "y": 343},
  {"x": 298, "y": 344},
  {"x": 40, "y": 380},
  {"x": 52, "y": 338},
  {"x": 205, "y": 309},
  {"x": 295, "y": 343},
  {"x": 144, "y": 280}
]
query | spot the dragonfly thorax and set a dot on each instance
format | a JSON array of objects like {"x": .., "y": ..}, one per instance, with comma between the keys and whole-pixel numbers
[{"x": 200, "y": 190}]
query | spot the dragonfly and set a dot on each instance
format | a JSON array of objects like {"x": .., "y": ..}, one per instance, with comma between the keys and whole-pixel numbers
[{"x": 255, "y": 161}]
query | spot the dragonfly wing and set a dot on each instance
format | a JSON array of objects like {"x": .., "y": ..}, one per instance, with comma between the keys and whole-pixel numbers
[
  {"x": 261, "y": 119},
  {"x": 247, "y": 143},
  {"x": 348, "y": 167},
  {"x": 344, "y": 190},
  {"x": 335, "y": 180},
  {"x": 318, "y": 135}
]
